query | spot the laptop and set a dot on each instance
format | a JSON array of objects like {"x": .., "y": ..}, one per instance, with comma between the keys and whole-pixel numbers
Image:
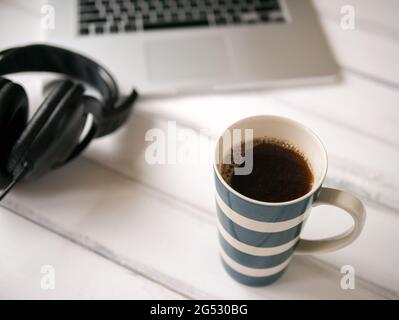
[{"x": 170, "y": 46}]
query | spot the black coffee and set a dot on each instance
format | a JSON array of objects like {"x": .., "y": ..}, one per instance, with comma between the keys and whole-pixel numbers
[{"x": 280, "y": 173}]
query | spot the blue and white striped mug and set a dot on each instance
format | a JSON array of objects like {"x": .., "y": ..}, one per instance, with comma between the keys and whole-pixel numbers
[{"x": 257, "y": 239}]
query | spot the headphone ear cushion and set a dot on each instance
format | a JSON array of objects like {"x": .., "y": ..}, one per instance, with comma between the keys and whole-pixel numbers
[
  {"x": 42, "y": 142},
  {"x": 14, "y": 111}
]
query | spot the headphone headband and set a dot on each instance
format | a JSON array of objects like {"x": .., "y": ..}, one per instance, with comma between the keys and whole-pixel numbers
[{"x": 109, "y": 115}]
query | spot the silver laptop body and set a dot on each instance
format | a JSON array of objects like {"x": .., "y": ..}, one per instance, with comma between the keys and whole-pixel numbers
[{"x": 168, "y": 46}]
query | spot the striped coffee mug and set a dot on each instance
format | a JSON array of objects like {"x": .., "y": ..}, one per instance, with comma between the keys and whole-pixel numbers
[{"x": 257, "y": 239}]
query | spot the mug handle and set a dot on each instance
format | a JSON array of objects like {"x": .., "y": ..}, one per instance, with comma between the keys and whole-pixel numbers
[{"x": 351, "y": 205}]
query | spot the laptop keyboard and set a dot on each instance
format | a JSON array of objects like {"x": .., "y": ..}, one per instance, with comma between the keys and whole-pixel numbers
[{"x": 119, "y": 16}]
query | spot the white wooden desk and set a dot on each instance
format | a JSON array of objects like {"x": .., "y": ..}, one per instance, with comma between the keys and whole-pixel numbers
[{"x": 113, "y": 226}]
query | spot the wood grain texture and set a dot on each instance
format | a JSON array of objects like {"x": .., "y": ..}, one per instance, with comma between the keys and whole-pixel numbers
[
  {"x": 165, "y": 240},
  {"x": 191, "y": 186},
  {"x": 151, "y": 229},
  {"x": 372, "y": 175},
  {"x": 79, "y": 273}
]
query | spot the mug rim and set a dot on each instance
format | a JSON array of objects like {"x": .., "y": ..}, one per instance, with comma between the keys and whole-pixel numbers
[{"x": 280, "y": 118}]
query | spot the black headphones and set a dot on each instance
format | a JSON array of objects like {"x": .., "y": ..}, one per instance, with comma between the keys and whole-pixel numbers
[{"x": 53, "y": 136}]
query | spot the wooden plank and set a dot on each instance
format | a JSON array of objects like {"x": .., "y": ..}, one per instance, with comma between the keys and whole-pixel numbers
[
  {"x": 365, "y": 164},
  {"x": 79, "y": 274},
  {"x": 373, "y": 175},
  {"x": 372, "y": 254},
  {"x": 365, "y": 54},
  {"x": 166, "y": 240},
  {"x": 358, "y": 104},
  {"x": 365, "y": 118},
  {"x": 186, "y": 182}
]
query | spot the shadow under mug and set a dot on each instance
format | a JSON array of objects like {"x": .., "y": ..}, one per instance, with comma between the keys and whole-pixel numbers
[{"x": 257, "y": 239}]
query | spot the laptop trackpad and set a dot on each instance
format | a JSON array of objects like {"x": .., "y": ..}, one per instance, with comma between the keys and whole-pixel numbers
[{"x": 198, "y": 58}]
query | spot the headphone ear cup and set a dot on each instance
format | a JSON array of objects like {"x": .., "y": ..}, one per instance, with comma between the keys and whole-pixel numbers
[
  {"x": 13, "y": 118},
  {"x": 48, "y": 138}
]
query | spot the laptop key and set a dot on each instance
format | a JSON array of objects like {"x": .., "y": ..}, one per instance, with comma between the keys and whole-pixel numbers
[
  {"x": 113, "y": 29},
  {"x": 250, "y": 17},
  {"x": 174, "y": 24},
  {"x": 99, "y": 29},
  {"x": 144, "y": 15},
  {"x": 130, "y": 27},
  {"x": 220, "y": 21},
  {"x": 92, "y": 18},
  {"x": 84, "y": 30}
]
